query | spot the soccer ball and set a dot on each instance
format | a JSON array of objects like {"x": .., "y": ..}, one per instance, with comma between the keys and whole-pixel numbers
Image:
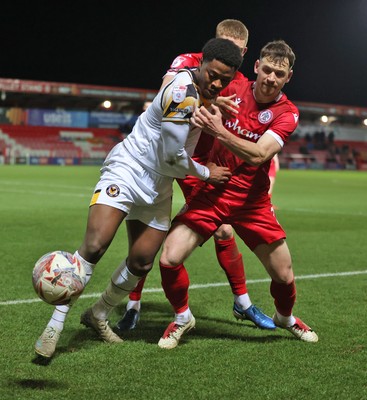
[{"x": 58, "y": 278}]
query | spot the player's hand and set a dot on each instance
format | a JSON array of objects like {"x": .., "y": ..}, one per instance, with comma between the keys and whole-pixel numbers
[
  {"x": 227, "y": 106},
  {"x": 208, "y": 120},
  {"x": 218, "y": 175}
]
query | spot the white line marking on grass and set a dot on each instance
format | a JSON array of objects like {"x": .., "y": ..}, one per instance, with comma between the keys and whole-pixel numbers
[
  {"x": 199, "y": 286},
  {"x": 325, "y": 212},
  {"x": 44, "y": 185},
  {"x": 50, "y": 193}
]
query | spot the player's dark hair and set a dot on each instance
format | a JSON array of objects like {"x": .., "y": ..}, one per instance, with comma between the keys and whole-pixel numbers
[
  {"x": 278, "y": 51},
  {"x": 223, "y": 50}
]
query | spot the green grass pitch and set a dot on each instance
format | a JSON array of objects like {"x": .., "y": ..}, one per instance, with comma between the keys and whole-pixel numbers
[{"x": 325, "y": 216}]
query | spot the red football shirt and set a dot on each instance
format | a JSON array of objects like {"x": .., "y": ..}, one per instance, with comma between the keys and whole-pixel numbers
[
  {"x": 279, "y": 118},
  {"x": 205, "y": 142}
]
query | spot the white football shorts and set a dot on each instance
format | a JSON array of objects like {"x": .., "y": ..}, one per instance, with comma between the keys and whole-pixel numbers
[{"x": 140, "y": 192}]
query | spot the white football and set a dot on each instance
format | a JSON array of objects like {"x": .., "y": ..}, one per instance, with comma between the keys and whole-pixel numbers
[{"x": 58, "y": 278}]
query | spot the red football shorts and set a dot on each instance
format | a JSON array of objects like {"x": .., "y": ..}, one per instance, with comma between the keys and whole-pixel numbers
[
  {"x": 254, "y": 224},
  {"x": 188, "y": 184}
]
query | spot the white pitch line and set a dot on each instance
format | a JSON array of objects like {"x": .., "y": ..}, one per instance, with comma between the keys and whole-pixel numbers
[
  {"x": 199, "y": 286},
  {"x": 50, "y": 193},
  {"x": 44, "y": 185},
  {"x": 324, "y": 212}
]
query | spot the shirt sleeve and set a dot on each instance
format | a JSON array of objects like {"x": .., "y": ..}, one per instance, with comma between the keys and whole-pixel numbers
[
  {"x": 284, "y": 126},
  {"x": 174, "y": 136},
  {"x": 188, "y": 60}
]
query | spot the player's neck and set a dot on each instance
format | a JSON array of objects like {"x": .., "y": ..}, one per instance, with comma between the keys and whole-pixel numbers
[{"x": 263, "y": 99}]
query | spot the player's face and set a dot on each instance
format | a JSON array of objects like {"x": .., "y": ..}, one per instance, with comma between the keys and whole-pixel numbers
[
  {"x": 213, "y": 77},
  {"x": 271, "y": 77}
]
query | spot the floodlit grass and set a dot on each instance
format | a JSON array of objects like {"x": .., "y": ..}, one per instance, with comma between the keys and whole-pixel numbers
[{"x": 325, "y": 216}]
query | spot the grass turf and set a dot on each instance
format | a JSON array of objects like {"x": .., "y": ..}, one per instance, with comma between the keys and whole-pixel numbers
[{"x": 325, "y": 216}]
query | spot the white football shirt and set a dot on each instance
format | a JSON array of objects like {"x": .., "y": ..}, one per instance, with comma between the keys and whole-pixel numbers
[{"x": 162, "y": 139}]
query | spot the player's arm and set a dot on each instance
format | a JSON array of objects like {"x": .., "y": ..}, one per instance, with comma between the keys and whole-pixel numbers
[
  {"x": 253, "y": 153},
  {"x": 276, "y": 162},
  {"x": 174, "y": 135},
  {"x": 166, "y": 79}
]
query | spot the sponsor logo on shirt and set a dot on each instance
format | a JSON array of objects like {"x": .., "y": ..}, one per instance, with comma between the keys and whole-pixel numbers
[
  {"x": 179, "y": 93},
  {"x": 183, "y": 111},
  {"x": 296, "y": 116},
  {"x": 265, "y": 116},
  {"x": 242, "y": 131}
]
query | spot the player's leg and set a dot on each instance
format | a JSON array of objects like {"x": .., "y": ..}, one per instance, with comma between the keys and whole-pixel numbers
[
  {"x": 102, "y": 225},
  {"x": 230, "y": 259},
  {"x": 147, "y": 223},
  {"x": 276, "y": 259},
  {"x": 179, "y": 244},
  {"x": 144, "y": 244}
]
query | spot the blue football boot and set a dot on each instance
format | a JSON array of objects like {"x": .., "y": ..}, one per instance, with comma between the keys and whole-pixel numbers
[{"x": 255, "y": 315}]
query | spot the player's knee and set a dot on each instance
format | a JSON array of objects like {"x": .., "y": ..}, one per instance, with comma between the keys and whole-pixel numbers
[
  {"x": 169, "y": 258},
  {"x": 224, "y": 232},
  {"x": 92, "y": 250},
  {"x": 284, "y": 273},
  {"x": 139, "y": 266}
]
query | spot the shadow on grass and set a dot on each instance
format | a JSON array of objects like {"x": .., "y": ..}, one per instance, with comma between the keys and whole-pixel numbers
[
  {"x": 41, "y": 384},
  {"x": 155, "y": 317},
  {"x": 43, "y": 361},
  {"x": 206, "y": 327}
]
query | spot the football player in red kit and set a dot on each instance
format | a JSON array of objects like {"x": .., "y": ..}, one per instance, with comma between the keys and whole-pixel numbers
[
  {"x": 228, "y": 255},
  {"x": 246, "y": 144}
]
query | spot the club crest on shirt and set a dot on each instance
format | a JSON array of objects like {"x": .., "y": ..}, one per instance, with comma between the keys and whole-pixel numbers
[
  {"x": 113, "y": 190},
  {"x": 265, "y": 116},
  {"x": 179, "y": 93}
]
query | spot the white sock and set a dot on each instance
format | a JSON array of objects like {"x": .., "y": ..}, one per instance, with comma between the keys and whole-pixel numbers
[
  {"x": 286, "y": 321},
  {"x": 184, "y": 317},
  {"x": 121, "y": 284},
  {"x": 60, "y": 313},
  {"x": 243, "y": 301},
  {"x": 133, "y": 304},
  {"x": 58, "y": 317},
  {"x": 89, "y": 267}
]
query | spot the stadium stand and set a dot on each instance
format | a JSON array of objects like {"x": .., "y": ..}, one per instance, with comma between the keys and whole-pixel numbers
[
  {"x": 17, "y": 141},
  {"x": 64, "y": 123}
]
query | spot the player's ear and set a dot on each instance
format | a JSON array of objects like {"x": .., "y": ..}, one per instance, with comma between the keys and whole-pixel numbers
[
  {"x": 256, "y": 66},
  {"x": 290, "y": 74},
  {"x": 244, "y": 51}
]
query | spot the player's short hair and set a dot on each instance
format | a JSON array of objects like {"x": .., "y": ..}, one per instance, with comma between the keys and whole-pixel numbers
[
  {"x": 232, "y": 28},
  {"x": 278, "y": 51},
  {"x": 223, "y": 50}
]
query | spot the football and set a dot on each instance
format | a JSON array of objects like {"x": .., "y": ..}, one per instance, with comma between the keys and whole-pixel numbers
[{"x": 58, "y": 278}]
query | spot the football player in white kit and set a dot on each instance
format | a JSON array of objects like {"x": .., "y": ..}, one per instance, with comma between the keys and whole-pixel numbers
[{"x": 136, "y": 185}]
